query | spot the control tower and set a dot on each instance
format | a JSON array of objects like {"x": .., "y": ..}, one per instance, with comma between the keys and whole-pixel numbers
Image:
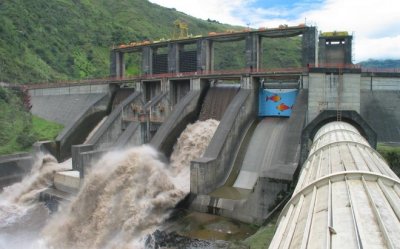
[{"x": 335, "y": 48}]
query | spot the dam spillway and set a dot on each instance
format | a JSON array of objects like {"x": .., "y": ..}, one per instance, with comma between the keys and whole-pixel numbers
[{"x": 133, "y": 185}]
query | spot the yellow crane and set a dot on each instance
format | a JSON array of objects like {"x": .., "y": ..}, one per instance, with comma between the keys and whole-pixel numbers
[{"x": 181, "y": 29}]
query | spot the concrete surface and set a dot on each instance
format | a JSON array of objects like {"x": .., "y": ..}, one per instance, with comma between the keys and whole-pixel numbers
[
  {"x": 374, "y": 82},
  {"x": 326, "y": 90},
  {"x": 63, "y": 109},
  {"x": 381, "y": 110},
  {"x": 351, "y": 117},
  {"x": 268, "y": 166},
  {"x": 112, "y": 127},
  {"x": 70, "y": 89},
  {"x": 217, "y": 100},
  {"x": 268, "y": 149},
  {"x": 14, "y": 167},
  {"x": 67, "y": 181},
  {"x": 185, "y": 112},
  {"x": 131, "y": 136},
  {"x": 346, "y": 196},
  {"x": 211, "y": 170},
  {"x": 83, "y": 123}
]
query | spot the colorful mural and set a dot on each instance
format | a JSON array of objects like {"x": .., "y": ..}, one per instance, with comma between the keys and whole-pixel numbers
[{"x": 276, "y": 102}]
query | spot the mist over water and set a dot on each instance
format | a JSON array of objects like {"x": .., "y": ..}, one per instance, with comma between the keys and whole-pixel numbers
[
  {"x": 126, "y": 196},
  {"x": 191, "y": 144},
  {"x": 123, "y": 197},
  {"x": 21, "y": 215}
]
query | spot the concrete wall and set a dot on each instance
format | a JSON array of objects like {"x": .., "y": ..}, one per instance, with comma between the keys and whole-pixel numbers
[
  {"x": 131, "y": 136},
  {"x": 83, "y": 157},
  {"x": 79, "y": 128},
  {"x": 380, "y": 95},
  {"x": 256, "y": 203},
  {"x": 14, "y": 167},
  {"x": 254, "y": 209},
  {"x": 324, "y": 93},
  {"x": 374, "y": 96},
  {"x": 210, "y": 171},
  {"x": 63, "y": 109},
  {"x": 186, "y": 111},
  {"x": 70, "y": 89},
  {"x": 107, "y": 134},
  {"x": 379, "y": 83},
  {"x": 380, "y": 108},
  {"x": 139, "y": 127}
]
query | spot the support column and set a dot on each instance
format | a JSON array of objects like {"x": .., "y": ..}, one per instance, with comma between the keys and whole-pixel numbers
[
  {"x": 253, "y": 44},
  {"x": 113, "y": 63},
  {"x": 147, "y": 60},
  {"x": 348, "y": 50},
  {"x": 173, "y": 57},
  {"x": 165, "y": 85},
  {"x": 322, "y": 50},
  {"x": 211, "y": 61},
  {"x": 120, "y": 65},
  {"x": 309, "y": 47},
  {"x": 117, "y": 65},
  {"x": 204, "y": 55}
]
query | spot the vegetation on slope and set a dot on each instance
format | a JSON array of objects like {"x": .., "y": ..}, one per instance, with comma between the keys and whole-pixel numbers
[
  {"x": 17, "y": 129},
  {"x": 263, "y": 237},
  {"x": 48, "y": 40},
  {"x": 44, "y": 129},
  {"x": 51, "y": 40},
  {"x": 391, "y": 154},
  {"x": 15, "y": 123}
]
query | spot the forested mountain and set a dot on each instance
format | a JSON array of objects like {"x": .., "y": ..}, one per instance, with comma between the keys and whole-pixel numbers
[
  {"x": 54, "y": 40},
  {"x": 45, "y": 40},
  {"x": 389, "y": 63}
]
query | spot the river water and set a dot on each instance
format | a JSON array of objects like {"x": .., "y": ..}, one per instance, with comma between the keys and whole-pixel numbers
[{"x": 126, "y": 196}]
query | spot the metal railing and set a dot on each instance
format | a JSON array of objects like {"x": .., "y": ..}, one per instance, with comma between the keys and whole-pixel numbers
[{"x": 205, "y": 73}]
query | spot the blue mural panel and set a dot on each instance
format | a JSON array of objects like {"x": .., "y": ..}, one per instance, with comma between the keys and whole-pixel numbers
[{"x": 276, "y": 102}]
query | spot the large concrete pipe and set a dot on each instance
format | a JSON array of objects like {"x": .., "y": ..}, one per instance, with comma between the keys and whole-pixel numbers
[{"x": 346, "y": 196}]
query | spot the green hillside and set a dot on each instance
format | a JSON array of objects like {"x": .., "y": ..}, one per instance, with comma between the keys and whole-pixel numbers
[
  {"x": 18, "y": 128},
  {"x": 389, "y": 63},
  {"x": 61, "y": 39},
  {"x": 45, "y": 41}
]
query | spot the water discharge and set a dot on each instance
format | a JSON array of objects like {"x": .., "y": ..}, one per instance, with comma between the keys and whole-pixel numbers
[
  {"x": 21, "y": 215},
  {"x": 126, "y": 195}
]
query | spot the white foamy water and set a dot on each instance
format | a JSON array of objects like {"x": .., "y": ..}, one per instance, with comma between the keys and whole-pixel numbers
[
  {"x": 191, "y": 144},
  {"x": 125, "y": 196},
  {"x": 21, "y": 215}
]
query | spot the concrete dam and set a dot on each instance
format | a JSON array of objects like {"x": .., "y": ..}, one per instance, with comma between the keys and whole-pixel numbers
[{"x": 250, "y": 163}]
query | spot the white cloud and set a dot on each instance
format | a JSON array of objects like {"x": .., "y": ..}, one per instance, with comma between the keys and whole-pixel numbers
[
  {"x": 377, "y": 48},
  {"x": 364, "y": 17},
  {"x": 220, "y": 10},
  {"x": 375, "y": 23}
]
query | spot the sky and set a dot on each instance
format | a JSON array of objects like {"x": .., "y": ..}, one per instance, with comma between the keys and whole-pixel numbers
[{"x": 374, "y": 24}]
